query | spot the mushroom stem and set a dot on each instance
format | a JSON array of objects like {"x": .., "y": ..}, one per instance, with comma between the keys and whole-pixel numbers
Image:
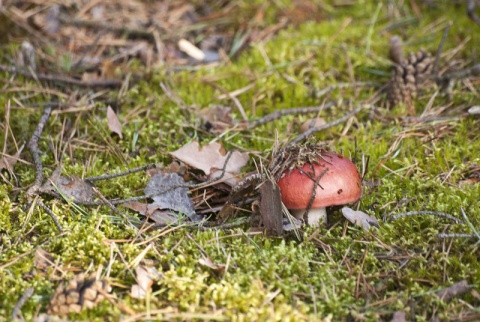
[{"x": 315, "y": 215}]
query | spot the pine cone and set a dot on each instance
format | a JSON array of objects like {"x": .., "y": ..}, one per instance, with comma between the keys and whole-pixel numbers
[
  {"x": 408, "y": 78},
  {"x": 79, "y": 293}
]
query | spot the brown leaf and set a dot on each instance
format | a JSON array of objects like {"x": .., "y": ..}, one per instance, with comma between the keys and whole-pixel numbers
[
  {"x": 73, "y": 187},
  {"x": 216, "y": 118},
  {"x": 113, "y": 122},
  {"x": 211, "y": 159},
  {"x": 43, "y": 260},
  {"x": 145, "y": 278},
  {"x": 318, "y": 121},
  {"x": 207, "y": 261},
  {"x": 359, "y": 218},
  {"x": 166, "y": 191},
  {"x": 399, "y": 316},
  {"x": 151, "y": 211},
  {"x": 271, "y": 208}
]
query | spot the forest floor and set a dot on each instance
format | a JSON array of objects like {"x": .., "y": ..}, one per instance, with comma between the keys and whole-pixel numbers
[{"x": 110, "y": 211}]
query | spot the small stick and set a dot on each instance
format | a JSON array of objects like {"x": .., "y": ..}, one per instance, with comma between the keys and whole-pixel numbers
[
  {"x": 316, "y": 129},
  {"x": 33, "y": 148},
  {"x": 16, "y": 314},
  {"x": 205, "y": 225},
  {"x": 454, "y": 290},
  {"x": 122, "y": 173},
  {"x": 111, "y": 206},
  {"x": 471, "y": 11},
  {"x": 443, "y": 235},
  {"x": 459, "y": 74},
  {"x": 280, "y": 113},
  {"x": 186, "y": 185},
  {"x": 51, "y": 214},
  {"x": 426, "y": 212},
  {"x": 440, "y": 48},
  {"x": 109, "y": 83}
]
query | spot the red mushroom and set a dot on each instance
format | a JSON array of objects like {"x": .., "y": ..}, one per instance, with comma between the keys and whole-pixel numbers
[{"x": 338, "y": 183}]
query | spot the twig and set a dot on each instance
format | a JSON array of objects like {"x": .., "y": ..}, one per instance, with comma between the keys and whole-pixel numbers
[
  {"x": 108, "y": 83},
  {"x": 131, "y": 32},
  {"x": 459, "y": 74},
  {"x": 440, "y": 48},
  {"x": 280, "y": 113},
  {"x": 51, "y": 214},
  {"x": 111, "y": 206},
  {"x": 454, "y": 290},
  {"x": 33, "y": 148},
  {"x": 122, "y": 173},
  {"x": 205, "y": 225},
  {"x": 16, "y": 314},
  {"x": 138, "y": 198},
  {"x": 444, "y": 235},
  {"x": 426, "y": 212},
  {"x": 471, "y": 11},
  {"x": 316, "y": 129}
]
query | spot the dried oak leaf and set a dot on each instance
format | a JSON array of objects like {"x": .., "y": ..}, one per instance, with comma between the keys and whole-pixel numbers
[
  {"x": 167, "y": 193},
  {"x": 113, "y": 123},
  {"x": 77, "y": 294},
  {"x": 216, "y": 118},
  {"x": 43, "y": 260},
  {"x": 151, "y": 211},
  {"x": 146, "y": 276},
  {"x": 207, "y": 261},
  {"x": 74, "y": 187},
  {"x": 211, "y": 159},
  {"x": 359, "y": 218}
]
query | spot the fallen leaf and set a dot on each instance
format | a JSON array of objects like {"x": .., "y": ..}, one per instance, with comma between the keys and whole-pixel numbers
[
  {"x": 211, "y": 158},
  {"x": 43, "y": 260},
  {"x": 359, "y": 218},
  {"x": 113, "y": 122},
  {"x": 151, "y": 211},
  {"x": 318, "y": 121},
  {"x": 207, "y": 261},
  {"x": 74, "y": 187},
  {"x": 146, "y": 276},
  {"x": 271, "y": 208},
  {"x": 399, "y": 316},
  {"x": 165, "y": 190},
  {"x": 216, "y": 118}
]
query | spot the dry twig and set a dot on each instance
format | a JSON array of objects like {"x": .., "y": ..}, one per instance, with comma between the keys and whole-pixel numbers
[
  {"x": 316, "y": 129},
  {"x": 16, "y": 314},
  {"x": 34, "y": 151},
  {"x": 108, "y": 83},
  {"x": 426, "y": 212},
  {"x": 291, "y": 111},
  {"x": 454, "y": 290}
]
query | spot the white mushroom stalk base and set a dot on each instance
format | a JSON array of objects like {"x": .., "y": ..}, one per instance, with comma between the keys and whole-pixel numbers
[{"x": 316, "y": 216}]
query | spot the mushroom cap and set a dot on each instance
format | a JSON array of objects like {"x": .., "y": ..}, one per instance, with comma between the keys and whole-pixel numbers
[{"x": 341, "y": 184}]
